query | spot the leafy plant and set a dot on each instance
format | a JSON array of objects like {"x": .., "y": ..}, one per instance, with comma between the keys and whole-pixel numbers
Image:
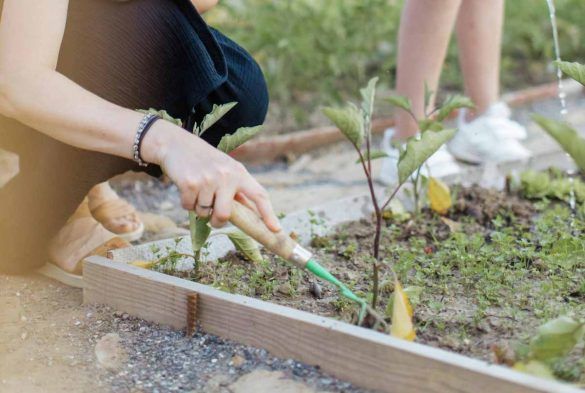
[
  {"x": 562, "y": 132},
  {"x": 356, "y": 124},
  {"x": 199, "y": 226},
  {"x": 553, "y": 341}
]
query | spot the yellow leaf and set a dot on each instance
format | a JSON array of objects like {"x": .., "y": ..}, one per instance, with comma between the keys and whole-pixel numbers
[
  {"x": 439, "y": 196},
  {"x": 402, "y": 326},
  {"x": 143, "y": 264}
]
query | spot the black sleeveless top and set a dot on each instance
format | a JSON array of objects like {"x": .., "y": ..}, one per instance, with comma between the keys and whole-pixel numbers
[{"x": 154, "y": 53}]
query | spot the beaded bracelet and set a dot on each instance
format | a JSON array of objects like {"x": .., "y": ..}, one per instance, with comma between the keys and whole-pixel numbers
[{"x": 145, "y": 124}]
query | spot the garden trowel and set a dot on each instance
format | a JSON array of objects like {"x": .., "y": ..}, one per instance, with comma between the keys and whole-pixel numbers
[{"x": 285, "y": 247}]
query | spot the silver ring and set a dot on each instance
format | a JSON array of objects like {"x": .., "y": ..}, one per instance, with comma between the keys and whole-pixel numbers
[{"x": 205, "y": 207}]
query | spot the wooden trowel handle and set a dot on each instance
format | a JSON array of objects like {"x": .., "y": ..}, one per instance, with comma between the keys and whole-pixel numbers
[{"x": 279, "y": 243}]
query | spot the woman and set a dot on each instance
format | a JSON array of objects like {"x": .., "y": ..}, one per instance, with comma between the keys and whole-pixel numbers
[
  {"x": 485, "y": 135},
  {"x": 72, "y": 74}
]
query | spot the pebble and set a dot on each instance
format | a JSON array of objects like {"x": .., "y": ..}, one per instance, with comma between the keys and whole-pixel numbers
[{"x": 316, "y": 290}]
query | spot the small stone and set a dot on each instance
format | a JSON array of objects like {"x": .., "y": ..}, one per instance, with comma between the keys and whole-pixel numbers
[
  {"x": 109, "y": 352},
  {"x": 166, "y": 205},
  {"x": 316, "y": 290},
  {"x": 238, "y": 361},
  {"x": 263, "y": 381},
  {"x": 285, "y": 289}
]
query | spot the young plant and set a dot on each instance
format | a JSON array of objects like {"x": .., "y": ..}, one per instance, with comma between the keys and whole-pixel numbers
[
  {"x": 553, "y": 342},
  {"x": 356, "y": 124},
  {"x": 199, "y": 226}
]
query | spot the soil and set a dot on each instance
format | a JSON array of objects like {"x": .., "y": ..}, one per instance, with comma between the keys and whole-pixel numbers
[{"x": 486, "y": 279}]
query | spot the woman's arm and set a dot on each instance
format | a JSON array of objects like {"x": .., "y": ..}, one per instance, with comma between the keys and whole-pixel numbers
[{"x": 34, "y": 93}]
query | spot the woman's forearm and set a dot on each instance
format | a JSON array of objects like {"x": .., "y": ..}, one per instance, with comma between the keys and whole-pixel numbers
[{"x": 53, "y": 104}]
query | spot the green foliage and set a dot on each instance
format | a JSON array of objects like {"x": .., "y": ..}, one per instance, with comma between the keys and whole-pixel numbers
[
  {"x": 368, "y": 97},
  {"x": 350, "y": 121},
  {"x": 574, "y": 70},
  {"x": 217, "y": 112},
  {"x": 242, "y": 135},
  {"x": 418, "y": 150},
  {"x": 556, "y": 338},
  {"x": 540, "y": 185},
  {"x": 163, "y": 114},
  {"x": 566, "y": 136},
  {"x": 246, "y": 245},
  {"x": 200, "y": 230},
  {"x": 451, "y": 104},
  {"x": 313, "y": 50},
  {"x": 400, "y": 102},
  {"x": 199, "y": 227},
  {"x": 374, "y": 155}
]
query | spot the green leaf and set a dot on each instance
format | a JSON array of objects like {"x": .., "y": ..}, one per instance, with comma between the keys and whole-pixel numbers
[
  {"x": 217, "y": 112},
  {"x": 428, "y": 95},
  {"x": 535, "y": 185},
  {"x": 566, "y": 136},
  {"x": 246, "y": 245},
  {"x": 374, "y": 155},
  {"x": 419, "y": 150},
  {"x": 429, "y": 125},
  {"x": 454, "y": 102},
  {"x": 200, "y": 231},
  {"x": 163, "y": 114},
  {"x": 556, "y": 338},
  {"x": 400, "y": 102},
  {"x": 368, "y": 96},
  {"x": 349, "y": 120},
  {"x": 574, "y": 70},
  {"x": 238, "y": 138}
]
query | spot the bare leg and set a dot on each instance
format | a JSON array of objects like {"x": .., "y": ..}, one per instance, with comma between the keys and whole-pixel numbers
[
  {"x": 425, "y": 30},
  {"x": 479, "y": 35}
]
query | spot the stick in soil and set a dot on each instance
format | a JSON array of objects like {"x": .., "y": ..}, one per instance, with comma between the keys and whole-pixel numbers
[{"x": 191, "y": 314}]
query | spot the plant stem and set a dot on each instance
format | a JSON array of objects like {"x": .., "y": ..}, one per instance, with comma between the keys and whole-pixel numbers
[{"x": 378, "y": 214}]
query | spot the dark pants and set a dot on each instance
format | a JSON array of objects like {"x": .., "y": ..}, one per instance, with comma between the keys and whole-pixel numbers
[{"x": 55, "y": 177}]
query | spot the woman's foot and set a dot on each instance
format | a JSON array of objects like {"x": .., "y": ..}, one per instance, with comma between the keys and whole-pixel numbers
[
  {"x": 81, "y": 236},
  {"x": 492, "y": 137},
  {"x": 115, "y": 214}
]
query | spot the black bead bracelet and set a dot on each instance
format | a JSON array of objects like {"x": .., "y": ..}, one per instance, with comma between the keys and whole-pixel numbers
[{"x": 145, "y": 124}]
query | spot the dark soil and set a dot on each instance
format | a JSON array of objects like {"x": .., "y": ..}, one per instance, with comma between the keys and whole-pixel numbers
[{"x": 489, "y": 273}]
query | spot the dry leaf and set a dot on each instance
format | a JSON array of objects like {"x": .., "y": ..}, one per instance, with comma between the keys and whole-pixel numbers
[
  {"x": 454, "y": 226},
  {"x": 402, "y": 326},
  {"x": 439, "y": 196},
  {"x": 143, "y": 264}
]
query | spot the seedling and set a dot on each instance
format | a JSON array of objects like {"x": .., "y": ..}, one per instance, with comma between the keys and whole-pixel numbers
[
  {"x": 356, "y": 124},
  {"x": 199, "y": 226}
]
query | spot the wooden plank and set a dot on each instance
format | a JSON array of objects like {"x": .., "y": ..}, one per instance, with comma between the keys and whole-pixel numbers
[{"x": 366, "y": 358}]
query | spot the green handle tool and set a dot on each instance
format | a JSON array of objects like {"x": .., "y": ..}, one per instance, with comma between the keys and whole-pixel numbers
[{"x": 282, "y": 245}]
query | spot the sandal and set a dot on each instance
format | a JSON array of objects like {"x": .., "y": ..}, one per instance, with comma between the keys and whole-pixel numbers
[
  {"x": 107, "y": 212},
  {"x": 82, "y": 236}
]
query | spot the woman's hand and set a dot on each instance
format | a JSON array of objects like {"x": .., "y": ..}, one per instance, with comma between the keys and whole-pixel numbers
[{"x": 208, "y": 179}]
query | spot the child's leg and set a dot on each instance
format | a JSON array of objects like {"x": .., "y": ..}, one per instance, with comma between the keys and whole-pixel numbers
[
  {"x": 479, "y": 35},
  {"x": 425, "y": 29}
]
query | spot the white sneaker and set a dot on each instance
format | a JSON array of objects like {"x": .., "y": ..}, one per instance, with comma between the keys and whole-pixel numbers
[
  {"x": 440, "y": 164},
  {"x": 491, "y": 137}
]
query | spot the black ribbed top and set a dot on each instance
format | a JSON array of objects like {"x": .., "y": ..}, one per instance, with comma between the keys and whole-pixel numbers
[{"x": 144, "y": 53}]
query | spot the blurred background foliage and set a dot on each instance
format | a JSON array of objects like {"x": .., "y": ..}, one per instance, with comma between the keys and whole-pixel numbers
[{"x": 321, "y": 51}]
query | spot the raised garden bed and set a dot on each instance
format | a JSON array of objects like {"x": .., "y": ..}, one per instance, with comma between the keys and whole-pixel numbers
[{"x": 484, "y": 283}]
